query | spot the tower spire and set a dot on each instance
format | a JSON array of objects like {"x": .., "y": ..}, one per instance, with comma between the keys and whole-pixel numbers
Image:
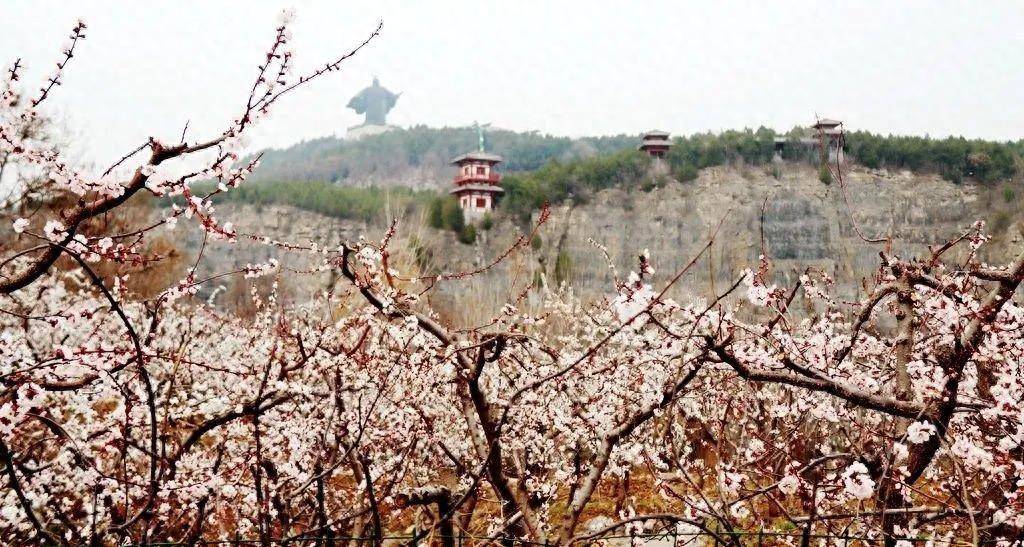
[{"x": 480, "y": 134}]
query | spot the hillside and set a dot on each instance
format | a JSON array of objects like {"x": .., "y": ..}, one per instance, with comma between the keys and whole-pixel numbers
[
  {"x": 418, "y": 156},
  {"x": 919, "y": 190},
  {"x": 806, "y": 224},
  {"x": 542, "y": 168}
]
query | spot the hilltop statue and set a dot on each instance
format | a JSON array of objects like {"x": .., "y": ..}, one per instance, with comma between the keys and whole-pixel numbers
[{"x": 374, "y": 101}]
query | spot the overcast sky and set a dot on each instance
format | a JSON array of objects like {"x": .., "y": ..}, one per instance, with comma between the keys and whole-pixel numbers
[{"x": 568, "y": 68}]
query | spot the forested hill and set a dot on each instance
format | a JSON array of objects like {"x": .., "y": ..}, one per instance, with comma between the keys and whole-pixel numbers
[
  {"x": 408, "y": 168},
  {"x": 418, "y": 156}
]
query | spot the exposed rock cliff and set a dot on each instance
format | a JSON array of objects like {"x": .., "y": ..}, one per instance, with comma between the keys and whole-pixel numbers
[{"x": 806, "y": 223}]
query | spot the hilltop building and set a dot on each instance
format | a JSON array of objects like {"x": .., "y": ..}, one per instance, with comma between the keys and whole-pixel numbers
[
  {"x": 477, "y": 183},
  {"x": 824, "y": 131},
  {"x": 831, "y": 133},
  {"x": 655, "y": 143}
]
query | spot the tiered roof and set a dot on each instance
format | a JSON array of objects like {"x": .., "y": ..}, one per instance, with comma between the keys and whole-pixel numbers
[
  {"x": 477, "y": 156},
  {"x": 654, "y": 139}
]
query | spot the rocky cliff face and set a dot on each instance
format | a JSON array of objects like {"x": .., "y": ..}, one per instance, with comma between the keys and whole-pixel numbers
[{"x": 806, "y": 223}]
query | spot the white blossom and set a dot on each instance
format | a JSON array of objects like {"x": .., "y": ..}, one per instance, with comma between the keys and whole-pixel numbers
[
  {"x": 857, "y": 482},
  {"x": 919, "y": 432}
]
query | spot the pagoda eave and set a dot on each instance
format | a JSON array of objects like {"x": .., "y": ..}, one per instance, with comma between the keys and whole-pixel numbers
[{"x": 477, "y": 188}]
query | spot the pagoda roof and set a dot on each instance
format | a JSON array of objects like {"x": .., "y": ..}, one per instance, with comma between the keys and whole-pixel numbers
[
  {"x": 477, "y": 156},
  {"x": 478, "y": 188},
  {"x": 825, "y": 122},
  {"x": 655, "y": 134},
  {"x": 651, "y": 143}
]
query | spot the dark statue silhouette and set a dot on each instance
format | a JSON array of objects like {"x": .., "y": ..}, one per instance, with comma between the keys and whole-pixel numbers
[{"x": 374, "y": 101}]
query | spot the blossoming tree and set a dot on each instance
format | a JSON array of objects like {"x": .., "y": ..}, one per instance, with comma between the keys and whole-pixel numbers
[{"x": 779, "y": 409}]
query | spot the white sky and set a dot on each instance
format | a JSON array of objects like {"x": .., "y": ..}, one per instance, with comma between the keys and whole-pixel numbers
[{"x": 568, "y": 68}]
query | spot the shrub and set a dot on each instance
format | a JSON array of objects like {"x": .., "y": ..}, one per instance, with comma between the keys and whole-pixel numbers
[
  {"x": 536, "y": 243},
  {"x": 1008, "y": 194},
  {"x": 954, "y": 175},
  {"x": 685, "y": 172},
  {"x": 435, "y": 213},
  {"x": 467, "y": 234},
  {"x": 451, "y": 215},
  {"x": 824, "y": 174}
]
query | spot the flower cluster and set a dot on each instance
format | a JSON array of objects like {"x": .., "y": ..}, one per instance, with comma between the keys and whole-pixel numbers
[{"x": 141, "y": 420}]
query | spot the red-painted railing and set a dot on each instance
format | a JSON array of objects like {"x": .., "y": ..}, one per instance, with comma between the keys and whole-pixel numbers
[{"x": 492, "y": 178}]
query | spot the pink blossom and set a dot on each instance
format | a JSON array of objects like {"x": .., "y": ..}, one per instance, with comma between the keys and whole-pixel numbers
[
  {"x": 789, "y": 484},
  {"x": 856, "y": 481},
  {"x": 54, "y": 230},
  {"x": 919, "y": 432}
]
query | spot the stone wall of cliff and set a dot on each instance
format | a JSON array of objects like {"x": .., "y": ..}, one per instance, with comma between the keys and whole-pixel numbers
[{"x": 804, "y": 223}]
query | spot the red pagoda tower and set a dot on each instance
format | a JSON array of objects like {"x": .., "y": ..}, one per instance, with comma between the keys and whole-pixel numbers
[
  {"x": 655, "y": 143},
  {"x": 477, "y": 182}
]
